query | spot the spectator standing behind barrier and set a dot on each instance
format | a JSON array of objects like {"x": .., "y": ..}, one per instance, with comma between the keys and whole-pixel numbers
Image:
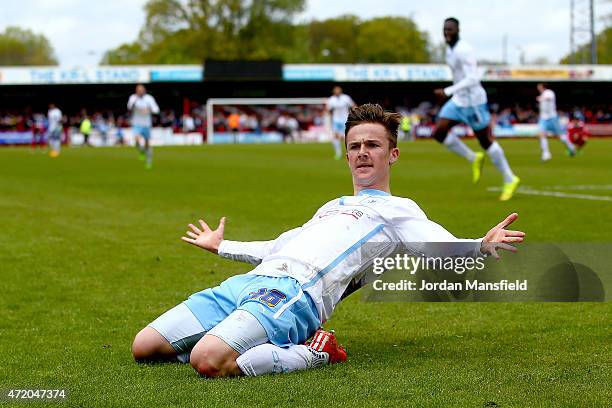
[
  {"x": 119, "y": 135},
  {"x": 405, "y": 128},
  {"x": 85, "y": 129},
  {"x": 233, "y": 121},
  {"x": 103, "y": 128}
]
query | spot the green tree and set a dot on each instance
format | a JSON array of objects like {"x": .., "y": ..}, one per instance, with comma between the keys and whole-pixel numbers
[
  {"x": 177, "y": 31},
  {"x": 603, "y": 43},
  {"x": 124, "y": 54},
  {"x": 23, "y": 47},
  {"x": 333, "y": 40},
  {"x": 346, "y": 39},
  {"x": 392, "y": 39},
  {"x": 190, "y": 31}
]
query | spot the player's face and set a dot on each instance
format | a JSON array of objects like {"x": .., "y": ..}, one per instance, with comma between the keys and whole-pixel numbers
[
  {"x": 140, "y": 90},
  {"x": 369, "y": 155},
  {"x": 451, "y": 32},
  {"x": 337, "y": 90},
  {"x": 541, "y": 88}
]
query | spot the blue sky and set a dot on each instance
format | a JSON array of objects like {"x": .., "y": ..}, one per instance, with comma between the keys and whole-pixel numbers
[{"x": 80, "y": 31}]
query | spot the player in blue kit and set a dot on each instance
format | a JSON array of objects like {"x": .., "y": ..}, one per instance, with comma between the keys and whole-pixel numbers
[{"x": 257, "y": 323}]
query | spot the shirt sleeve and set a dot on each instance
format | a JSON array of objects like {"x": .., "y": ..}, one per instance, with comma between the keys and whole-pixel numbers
[
  {"x": 470, "y": 68},
  {"x": 423, "y": 236},
  {"x": 255, "y": 251},
  {"x": 131, "y": 102},
  {"x": 548, "y": 95},
  {"x": 153, "y": 105}
]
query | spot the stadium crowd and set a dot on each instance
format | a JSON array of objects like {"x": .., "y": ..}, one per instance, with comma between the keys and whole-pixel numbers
[{"x": 284, "y": 118}]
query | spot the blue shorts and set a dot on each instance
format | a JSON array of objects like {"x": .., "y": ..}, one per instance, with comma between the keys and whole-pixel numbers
[
  {"x": 476, "y": 117},
  {"x": 338, "y": 126},
  {"x": 143, "y": 131},
  {"x": 551, "y": 125},
  {"x": 288, "y": 315},
  {"x": 55, "y": 134}
]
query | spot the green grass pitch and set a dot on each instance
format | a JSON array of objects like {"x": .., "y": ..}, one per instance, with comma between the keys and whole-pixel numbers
[{"x": 90, "y": 253}]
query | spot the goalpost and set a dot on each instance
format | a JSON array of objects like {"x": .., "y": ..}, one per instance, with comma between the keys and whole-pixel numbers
[{"x": 212, "y": 102}]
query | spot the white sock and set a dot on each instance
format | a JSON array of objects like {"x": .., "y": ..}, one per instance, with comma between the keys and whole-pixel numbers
[
  {"x": 496, "y": 153},
  {"x": 565, "y": 139},
  {"x": 268, "y": 358},
  {"x": 337, "y": 148},
  {"x": 457, "y": 146},
  {"x": 149, "y": 152},
  {"x": 544, "y": 145}
]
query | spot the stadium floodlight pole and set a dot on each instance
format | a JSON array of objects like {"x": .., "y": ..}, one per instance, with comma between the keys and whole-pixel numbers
[
  {"x": 572, "y": 57},
  {"x": 252, "y": 101},
  {"x": 593, "y": 38},
  {"x": 582, "y": 32}
]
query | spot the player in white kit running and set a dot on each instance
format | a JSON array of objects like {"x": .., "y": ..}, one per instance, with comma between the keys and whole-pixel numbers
[
  {"x": 54, "y": 130},
  {"x": 338, "y": 104},
  {"x": 256, "y": 323},
  {"x": 549, "y": 122},
  {"x": 468, "y": 104},
  {"x": 143, "y": 107}
]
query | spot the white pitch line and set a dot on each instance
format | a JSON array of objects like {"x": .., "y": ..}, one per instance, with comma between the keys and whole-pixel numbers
[
  {"x": 597, "y": 187},
  {"x": 530, "y": 191}
]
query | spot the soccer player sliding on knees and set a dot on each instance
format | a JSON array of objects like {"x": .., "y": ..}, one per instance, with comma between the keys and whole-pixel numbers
[{"x": 258, "y": 323}]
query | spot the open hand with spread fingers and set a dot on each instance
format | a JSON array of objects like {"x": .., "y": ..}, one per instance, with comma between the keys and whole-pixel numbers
[
  {"x": 500, "y": 238},
  {"x": 205, "y": 237}
]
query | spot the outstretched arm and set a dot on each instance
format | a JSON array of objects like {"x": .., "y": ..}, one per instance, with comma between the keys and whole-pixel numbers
[
  {"x": 497, "y": 238},
  {"x": 432, "y": 239},
  {"x": 249, "y": 252}
]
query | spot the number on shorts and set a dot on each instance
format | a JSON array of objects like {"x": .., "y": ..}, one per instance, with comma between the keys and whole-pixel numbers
[{"x": 268, "y": 297}]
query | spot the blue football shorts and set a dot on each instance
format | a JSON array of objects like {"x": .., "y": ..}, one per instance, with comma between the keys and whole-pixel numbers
[
  {"x": 284, "y": 314},
  {"x": 550, "y": 126},
  {"x": 476, "y": 117},
  {"x": 338, "y": 126},
  {"x": 143, "y": 131}
]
